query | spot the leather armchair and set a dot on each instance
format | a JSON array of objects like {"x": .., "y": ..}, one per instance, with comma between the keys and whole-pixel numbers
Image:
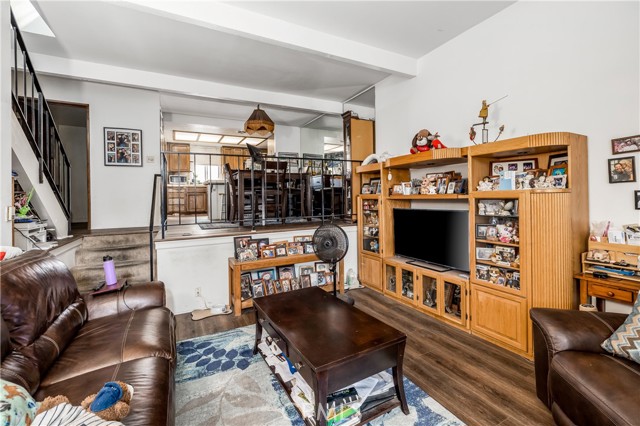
[{"x": 579, "y": 381}]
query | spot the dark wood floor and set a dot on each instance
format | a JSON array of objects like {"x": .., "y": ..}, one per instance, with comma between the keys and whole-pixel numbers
[{"x": 479, "y": 382}]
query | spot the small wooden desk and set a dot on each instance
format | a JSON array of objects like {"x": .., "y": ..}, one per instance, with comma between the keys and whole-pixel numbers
[
  {"x": 612, "y": 288},
  {"x": 332, "y": 344},
  {"x": 236, "y": 268}
]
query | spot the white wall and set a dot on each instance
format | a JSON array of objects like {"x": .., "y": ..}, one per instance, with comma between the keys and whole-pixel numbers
[
  {"x": 74, "y": 139},
  {"x": 287, "y": 139},
  {"x": 185, "y": 265},
  {"x": 312, "y": 140},
  {"x": 6, "y": 116},
  {"x": 120, "y": 196},
  {"x": 566, "y": 66}
]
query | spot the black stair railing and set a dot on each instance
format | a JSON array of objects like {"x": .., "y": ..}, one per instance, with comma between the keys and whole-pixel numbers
[{"x": 33, "y": 113}]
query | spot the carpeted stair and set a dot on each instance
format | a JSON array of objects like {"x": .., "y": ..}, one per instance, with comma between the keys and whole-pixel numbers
[{"x": 130, "y": 253}]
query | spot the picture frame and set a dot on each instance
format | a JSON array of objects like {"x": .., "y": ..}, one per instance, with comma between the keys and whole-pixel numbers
[
  {"x": 294, "y": 249},
  {"x": 257, "y": 289},
  {"x": 558, "y": 169},
  {"x": 313, "y": 277},
  {"x": 305, "y": 281},
  {"x": 269, "y": 288},
  {"x": 286, "y": 285},
  {"x": 245, "y": 286},
  {"x": 277, "y": 285},
  {"x": 625, "y": 145},
  {"x": 622, "y": 170},
  {"x": 557, "y": 159},
  {"x": 246, "y": 254},
  {"x": 122, "y": 147},
  {"x": 322, "y": 279},
  {"x": 375, "y": 186},
  {"x": 636, "y": 199},
  {"x": 329, "y": 278},
  {"x": 267, "y": 274},
  {"x": 322, "y": 267},
  {"x": 451, "y": 187},
  {"x": 496, "y": 168},
  {"x": 481, "y": 232},
  {"x": 306, "y": 270},
  {"x": 366, "y": 189},
  {"x": 406, "y": 188},
  {"x": 281, "y": 250},
  {"x": 484, "y": 253},
  {"x": 240, "y": 242},
  {"x": 295, "y": 283},
  {"x": 308, "y": 248},
  {"x": 268, "y": 252},
  {"x": 397, "y": 189},
  {"x": 302, "y": 238},
  {"x": 461, "y": 186},
  {"x": 505, "y": 255},
  {"x": 261, "y": 243},
  {"x": 286, "y": 272}
]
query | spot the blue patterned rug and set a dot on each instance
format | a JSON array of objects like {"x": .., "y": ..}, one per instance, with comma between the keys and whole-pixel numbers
[{"x": 220, "y": 382}]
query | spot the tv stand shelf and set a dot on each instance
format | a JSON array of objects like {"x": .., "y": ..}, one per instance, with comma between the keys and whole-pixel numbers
[{"x": 509, "y": 276}]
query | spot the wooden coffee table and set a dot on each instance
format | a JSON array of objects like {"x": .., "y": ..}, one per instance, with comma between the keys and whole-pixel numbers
[{"x": 332, "y": 344}]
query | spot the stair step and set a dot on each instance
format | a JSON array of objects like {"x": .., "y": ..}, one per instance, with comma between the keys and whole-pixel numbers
[
  {"x": 109, "y": 240},
  {"x": 87, "y": 276},
  {"x": 119, "y": 253}
]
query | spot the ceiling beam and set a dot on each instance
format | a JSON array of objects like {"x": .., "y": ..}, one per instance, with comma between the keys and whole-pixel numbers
[
  {"x": 233, "y": 20},
  {"x": 101, "y": 73}
]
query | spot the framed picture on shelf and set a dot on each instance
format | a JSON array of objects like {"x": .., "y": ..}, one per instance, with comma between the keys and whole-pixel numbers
[
  {"x": 269, "y": 288},
  {"x": 313, "y": 279},
  {"x": 406, "y": 188},
  {"x": 375, "y": 185},
  {"x": 499, "y": 167},
  {"x": 268, "y": 252},
  {"x": 286, "y": 272},
  {"x": 322, "y": 267},
  {"x": 257, "y": 288},
  {"x": 295, "y": 248},
  {"x": 481, "y": 231},
  {"x": 451, "y": 187},
  {"x": 306, "y": 270},
  {"x": 484, "y": 253},
  {"x": 286, "y": 285},
  {"x": 636, "y": 199},
  {"x": 322, "y": 279},
  {"x": 625, "y": 145},
  {"x": 281, "y": 250},
  {"x": 240, "y": 243},
  {"x": 302, "y": 238},
  {"x": 397, "y": 189},
  {"x": 329, "y": 278},
  {"x": 245, "y": 286},
  {"x": 267, "y": 274},
  {"x": 246, "y": 254},
  {"x": 305, "y": 281},
  {"x": 122, "y": 147},
  {"x": 261, "y": 243},
  {"x": 366, "y": 189},
  {"x": 558, "y": 169},
  {"x": 622, "y": 170},
  {"x": 295, "y": 283},
  {"x": 557, "y": 159},
  {"x": 308, "y": 248},
  {"x": 277, "y": 285}
]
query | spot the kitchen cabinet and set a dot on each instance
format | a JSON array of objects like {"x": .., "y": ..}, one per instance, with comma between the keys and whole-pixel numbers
[
  {"x": 181, "y": 161},
  {"x": 185, "y": 199},
  {"x": 234, "y": 156}
]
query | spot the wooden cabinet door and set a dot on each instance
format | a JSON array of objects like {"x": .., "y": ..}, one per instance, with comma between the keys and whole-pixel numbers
[
  {"x": 370, "y": 272},
  {"x": 499, "y": 316},
  {"x": 179, "y": 162}
]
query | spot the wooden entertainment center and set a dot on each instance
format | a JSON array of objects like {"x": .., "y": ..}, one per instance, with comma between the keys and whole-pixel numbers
[{"x": 551, "y": 226}]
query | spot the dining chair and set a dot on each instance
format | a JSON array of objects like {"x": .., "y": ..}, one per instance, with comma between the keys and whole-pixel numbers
[
  {"x": 234, "y": 210},
  {"x": 274, "y": 175}
]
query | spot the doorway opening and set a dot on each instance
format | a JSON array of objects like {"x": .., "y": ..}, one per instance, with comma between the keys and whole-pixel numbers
[{"x": 72, "y": 121}]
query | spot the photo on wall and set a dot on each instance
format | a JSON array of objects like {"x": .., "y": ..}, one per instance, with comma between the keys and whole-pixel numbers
[{"x": 122, "y": 147}]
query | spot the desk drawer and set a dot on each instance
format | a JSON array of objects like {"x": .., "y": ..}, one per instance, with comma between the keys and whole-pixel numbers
[
  {"x": 606, "y": 292},
  {"x": 268, "y": 328},
  {"x": 304, "y": 370}
]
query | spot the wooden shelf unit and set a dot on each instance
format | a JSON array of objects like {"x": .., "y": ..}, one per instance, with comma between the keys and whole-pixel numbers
[
  {"x": 553, "y": 229},
  {"x": 236, "y": 268}
]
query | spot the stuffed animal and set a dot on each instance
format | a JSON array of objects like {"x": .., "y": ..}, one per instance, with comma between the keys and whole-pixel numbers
[
  {"x": 111, "y": 403},
  {"x": 424, "y": 140}
]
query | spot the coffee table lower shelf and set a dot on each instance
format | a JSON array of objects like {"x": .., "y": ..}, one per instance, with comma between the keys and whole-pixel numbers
[{"x": 365, "y": 416}]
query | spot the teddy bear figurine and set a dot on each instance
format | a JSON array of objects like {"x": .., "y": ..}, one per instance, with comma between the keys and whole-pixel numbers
[
  {"x": 424, "y": 140},
  {"x": 111, "y": 402}
]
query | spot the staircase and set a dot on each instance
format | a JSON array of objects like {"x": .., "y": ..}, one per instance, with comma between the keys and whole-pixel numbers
[{"x": 130, "y": 253}]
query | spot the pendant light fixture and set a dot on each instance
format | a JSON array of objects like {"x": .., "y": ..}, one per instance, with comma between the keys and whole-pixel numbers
[{"x": 259, "y": 123}]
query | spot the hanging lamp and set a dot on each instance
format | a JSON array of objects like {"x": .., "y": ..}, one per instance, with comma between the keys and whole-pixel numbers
[{"x": 259, "y": 122}]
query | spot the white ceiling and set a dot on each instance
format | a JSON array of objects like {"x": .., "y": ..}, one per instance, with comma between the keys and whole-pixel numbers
[{"x": 284, "y": 52}]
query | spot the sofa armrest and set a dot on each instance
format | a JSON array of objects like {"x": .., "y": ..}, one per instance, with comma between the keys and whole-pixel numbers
[
  {"x": 557, "y": 330},
  {"x": 132, "y": 297}
]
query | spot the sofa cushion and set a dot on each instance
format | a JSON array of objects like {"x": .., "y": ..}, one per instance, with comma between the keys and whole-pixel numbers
[
  {"x": 625, "y": 341},
  {"x": 17, "y": 406},
  {"x": 595, "y": 388},
  {"x": 152, "y": 380},
  {"x": 108, "y": 341}
]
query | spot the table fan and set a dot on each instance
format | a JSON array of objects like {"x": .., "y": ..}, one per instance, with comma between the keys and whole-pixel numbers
[{"x": 330, "y": 244}]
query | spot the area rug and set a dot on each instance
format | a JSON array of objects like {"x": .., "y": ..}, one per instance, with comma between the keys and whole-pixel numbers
[{"x": 220, "y": 382}]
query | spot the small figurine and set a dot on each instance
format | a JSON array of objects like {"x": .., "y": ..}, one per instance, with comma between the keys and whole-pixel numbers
[
  {"x": 374, "y": 246},
  {"x": 424, "y": 140}
]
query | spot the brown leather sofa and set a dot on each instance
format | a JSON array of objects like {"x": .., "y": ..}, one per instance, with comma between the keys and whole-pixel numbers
[
  {"x": 56, "y": 341},
  {"x": 580, "y": 382}
]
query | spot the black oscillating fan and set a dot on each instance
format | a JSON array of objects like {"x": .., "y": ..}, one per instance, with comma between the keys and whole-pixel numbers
[{"x": 330, "y": 244}]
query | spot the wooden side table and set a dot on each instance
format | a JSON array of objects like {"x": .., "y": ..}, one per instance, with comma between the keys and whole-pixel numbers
[{"x": 612, "y": 288}]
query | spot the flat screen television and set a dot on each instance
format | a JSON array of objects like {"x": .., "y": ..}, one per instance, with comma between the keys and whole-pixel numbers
[{"x": 435, "y": 239}]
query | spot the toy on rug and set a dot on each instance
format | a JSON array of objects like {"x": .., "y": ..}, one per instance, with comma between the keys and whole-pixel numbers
[
  {"x": 424, "y": 140},
  {"x": 110, "y": 403}
]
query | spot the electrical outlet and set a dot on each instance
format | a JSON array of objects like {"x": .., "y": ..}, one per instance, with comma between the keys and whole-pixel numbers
[{"x": 198, "y": 291}]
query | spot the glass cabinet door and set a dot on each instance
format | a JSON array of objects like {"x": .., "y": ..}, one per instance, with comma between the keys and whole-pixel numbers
[
  {"x": 370, "y": 227},
  {"x": 454, "y": 302},
  {"x": 406, "y": 276},
  {"x": 390, "y": 278},
  {"x": 429, "y": 292}
]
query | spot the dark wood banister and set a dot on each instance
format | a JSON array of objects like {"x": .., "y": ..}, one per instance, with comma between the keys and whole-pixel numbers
[{"x": 40, "y": 127}]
